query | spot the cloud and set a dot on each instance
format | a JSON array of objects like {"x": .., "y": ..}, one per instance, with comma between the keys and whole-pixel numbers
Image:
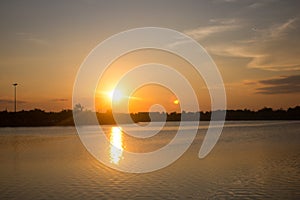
[
  {"x": 29, "y": 37},
  {"x": 249, "y": 82},
  {"x": 217, "y": 26},
  {"x": 179, "y": 41},
  {"x": 225, "y": 1},
  {"x": 274, "y": 48},
  {"x": 280, "y": 85},
  {"x": 261, "y": 3},
  {"x": 60, "y": 100},
  {"x": 224, "y": 21},
  {"x": 280, "y": 30},
  {"x": 253, "y": 4},
  {"x": 8, "y": 101}
]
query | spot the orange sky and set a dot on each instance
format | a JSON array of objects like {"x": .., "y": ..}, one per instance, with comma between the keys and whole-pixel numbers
[{"x": 255, "y": 48}]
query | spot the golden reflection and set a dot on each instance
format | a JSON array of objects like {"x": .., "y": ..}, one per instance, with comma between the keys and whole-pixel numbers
[{"x": 116, "y": 145}]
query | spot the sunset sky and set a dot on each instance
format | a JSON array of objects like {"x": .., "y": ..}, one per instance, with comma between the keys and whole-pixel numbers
[{"x": 255, "y": 44}]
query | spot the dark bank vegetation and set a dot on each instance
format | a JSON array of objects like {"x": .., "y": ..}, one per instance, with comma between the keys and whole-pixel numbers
[{"x": 39, "y": 117}]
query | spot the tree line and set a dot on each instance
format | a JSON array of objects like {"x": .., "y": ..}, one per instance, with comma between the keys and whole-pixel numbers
[{"x": 38, "y": 117}]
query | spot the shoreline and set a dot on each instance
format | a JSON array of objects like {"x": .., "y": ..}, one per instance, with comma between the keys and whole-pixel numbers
[{"x": 40, "y": 118}]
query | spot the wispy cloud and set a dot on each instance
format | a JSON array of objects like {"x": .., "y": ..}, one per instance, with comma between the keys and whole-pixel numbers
[
  {"x": 225, "y": 1},
  {"x": 30, "y": 37},
  {"x": 261, "y": 3},
  {"x": 252, "y": 4},
  {"x": 60, "y": 100},
  {"x": 217, "y": 26},
  {"x": 280, "y": 30},
  {"x": 249, "y": 82},
  {"x": 280, "y": 85},
  {"x": 274, "y": 48},
  {"x": 8, "y": 101}
]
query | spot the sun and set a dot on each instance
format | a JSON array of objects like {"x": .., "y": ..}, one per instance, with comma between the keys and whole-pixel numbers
[
  {"x": 115, "y": 95},
  {"x": 110, "y": 94}
]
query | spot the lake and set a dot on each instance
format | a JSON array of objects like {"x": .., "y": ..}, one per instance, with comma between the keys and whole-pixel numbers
[{"x": 252, "y": 160}]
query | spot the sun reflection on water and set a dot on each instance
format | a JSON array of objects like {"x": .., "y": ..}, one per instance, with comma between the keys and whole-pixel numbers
[{"x": 116, "y": 145}]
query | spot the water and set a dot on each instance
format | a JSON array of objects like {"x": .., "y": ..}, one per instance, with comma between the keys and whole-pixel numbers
[{"x": 252, "y": 160}]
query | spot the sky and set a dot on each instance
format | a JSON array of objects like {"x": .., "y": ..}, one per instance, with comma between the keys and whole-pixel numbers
[{"x": 255, "y": 44}]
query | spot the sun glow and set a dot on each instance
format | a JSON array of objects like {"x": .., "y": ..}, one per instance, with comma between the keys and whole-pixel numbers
[
  {"x": 116, "y": 145},
  {"x": 115, "y": 95}
]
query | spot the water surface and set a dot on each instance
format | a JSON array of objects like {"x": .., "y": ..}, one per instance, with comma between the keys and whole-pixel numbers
[{"x": 252, "y": 160}]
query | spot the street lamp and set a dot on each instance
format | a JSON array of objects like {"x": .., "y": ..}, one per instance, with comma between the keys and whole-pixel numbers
[{"x": 15, "y": 88}]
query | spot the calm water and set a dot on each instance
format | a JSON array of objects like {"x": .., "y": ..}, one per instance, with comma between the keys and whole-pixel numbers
[{"x": 252, "y": 160}]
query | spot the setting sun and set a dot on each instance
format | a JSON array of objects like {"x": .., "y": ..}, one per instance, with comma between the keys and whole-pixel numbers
[
  {"x": 115, "y": 95},
  {"x": 144, "y": 99}
]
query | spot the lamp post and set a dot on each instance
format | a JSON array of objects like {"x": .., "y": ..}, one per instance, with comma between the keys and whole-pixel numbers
[{"x": 15, "y": 89}]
